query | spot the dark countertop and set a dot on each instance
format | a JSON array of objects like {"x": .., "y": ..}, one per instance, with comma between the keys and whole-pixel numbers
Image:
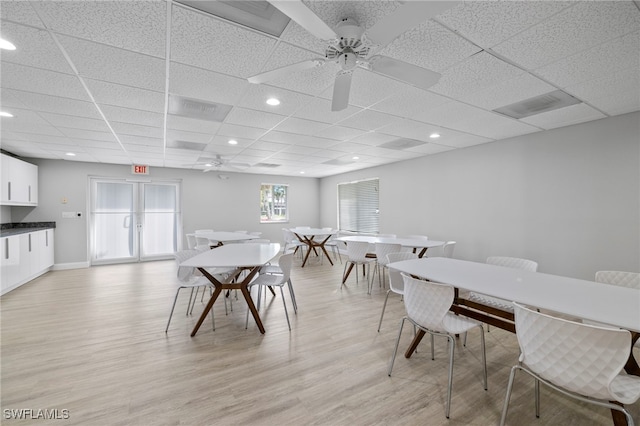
[{"x": 9, "y": 229}]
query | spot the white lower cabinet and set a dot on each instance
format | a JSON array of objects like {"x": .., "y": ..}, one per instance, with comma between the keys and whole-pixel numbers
[{"x": 25, "y": 257}]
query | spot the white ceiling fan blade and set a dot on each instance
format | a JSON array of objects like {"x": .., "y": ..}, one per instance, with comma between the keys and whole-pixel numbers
[
  {"x": 341, "y": 88},
  {"x": 303, "y": 16},
  {"x": 403, "y": 71},
  {"x": 405, "y": 17},
  {"x": 281, "y": 72}
]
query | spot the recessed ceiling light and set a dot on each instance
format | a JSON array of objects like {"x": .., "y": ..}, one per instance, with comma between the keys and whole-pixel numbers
[
  {"x": 6, "y": 44},
  {"x": 434, "y": 135},
  {"x": 302, "y": 172},
  {"x": 356, "y": 158},
  {"x": 208, "y": 165},
  {"x": 5, "y": 114},
  {"x": 273, "y": 101},
  {"x": 233, "y": 142},
  {"x": 70, "y": 154}
]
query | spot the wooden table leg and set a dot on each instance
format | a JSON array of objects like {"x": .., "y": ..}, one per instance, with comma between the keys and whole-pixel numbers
[
  {"x": 216, "y": 292},
  {"x": 414, "y": 343},
  {"x": 346, "y": 274}
]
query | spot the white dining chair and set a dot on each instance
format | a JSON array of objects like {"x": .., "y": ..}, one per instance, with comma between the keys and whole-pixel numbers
[
  {"x": 357, "y": 256},
  {"x": 275, "y": 280},
  {"x": 427, "y": 304},
  {"x": 382, "y": 250},
  {"x": 202, "y": 231},
  {"x": 396, "y": 282},
  {"x": 191, "y": 241},
  {"x": 581, "y": 361},
  {"x": 447, "y": 248}
]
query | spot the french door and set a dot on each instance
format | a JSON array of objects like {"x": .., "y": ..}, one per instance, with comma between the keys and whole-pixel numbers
[{"x": 134, "y": 221}]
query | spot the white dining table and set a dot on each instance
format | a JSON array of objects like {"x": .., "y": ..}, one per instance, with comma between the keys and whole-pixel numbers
[
  {"x": 242, "y": 257},
  {"x": 416, "y": 243},
  {"x": 221, "y": 237},
  {"x": 579, "y": 299},
  {"x": 314, "y": 238}
]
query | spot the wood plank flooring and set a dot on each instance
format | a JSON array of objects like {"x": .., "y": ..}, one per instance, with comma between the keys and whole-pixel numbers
[{"x": 92, "y": 341}]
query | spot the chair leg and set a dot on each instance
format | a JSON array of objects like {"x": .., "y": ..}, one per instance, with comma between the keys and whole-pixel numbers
[
  {"x": 452, "y": 346},
  {"x": 384, "y": 305},
  {"x": 395, "y": 350},
  {"x": 285, "y": 307},
  {"x": 293, "y": 296},
  {"x": 505, "y": 407},
  {"x": 484, "y": 357},
  {"x": 433, "y": 354},
  {"x": 537, "y": 391},
  {"x": 175, "y": 299}
]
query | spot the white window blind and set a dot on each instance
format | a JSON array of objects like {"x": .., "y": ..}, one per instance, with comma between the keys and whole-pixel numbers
[{"x": 358, "y": 206}]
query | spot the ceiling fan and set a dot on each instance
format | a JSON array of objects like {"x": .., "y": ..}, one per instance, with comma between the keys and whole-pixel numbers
[
  {"x": 351, "y": 47},
  {"x": 218, "y": 163}
]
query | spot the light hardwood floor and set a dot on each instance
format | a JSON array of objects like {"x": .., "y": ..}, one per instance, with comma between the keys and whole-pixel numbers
[{"x": 92, "y": 341}]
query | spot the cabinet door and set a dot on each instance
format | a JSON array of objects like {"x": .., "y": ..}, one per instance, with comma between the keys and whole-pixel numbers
[
  {"x": 19, "y": 182},
  {"x": 6, "y": 164},
  {"x": 10, "y": 261},
  {"x": 45, "y": 249}
]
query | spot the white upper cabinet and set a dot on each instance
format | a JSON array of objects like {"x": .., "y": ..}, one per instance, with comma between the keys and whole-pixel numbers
[{"x": 19, "y": 182}]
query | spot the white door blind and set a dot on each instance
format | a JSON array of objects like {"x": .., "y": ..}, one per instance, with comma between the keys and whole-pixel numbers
[{"x": 358, "y": 206}]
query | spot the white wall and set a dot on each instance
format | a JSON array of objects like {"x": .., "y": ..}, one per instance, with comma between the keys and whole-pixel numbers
[
  {"x": 207, "y": 202},
  {"x": 568, "y": 198}
]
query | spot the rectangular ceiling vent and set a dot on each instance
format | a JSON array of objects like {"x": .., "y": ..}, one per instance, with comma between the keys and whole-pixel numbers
[
  {"x": 266, "y": 165},
  {"x": 192, "y": 146},
  {"x": 201, "y": 110},
  {"x": 401, "y": 144},
  {"x": 259, "y": 15},
  {"x": 537, "y": 105}
]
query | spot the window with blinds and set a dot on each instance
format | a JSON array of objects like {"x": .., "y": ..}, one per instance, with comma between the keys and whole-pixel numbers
[{"x": 358, "y": 206}]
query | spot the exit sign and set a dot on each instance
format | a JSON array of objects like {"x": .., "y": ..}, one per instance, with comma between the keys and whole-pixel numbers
[{"x": 137, "y": 169}]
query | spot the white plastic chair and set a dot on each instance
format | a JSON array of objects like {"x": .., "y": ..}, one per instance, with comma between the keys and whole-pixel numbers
[
  {"x": 357, "y": 253},
  {"x": 578, "y": 360},
  {"x": 202, "y": 231},
  {"x": 396, "y": 282},
  {"x": 427, "y": 304},
  {"x": 382, "y": 250},
  {"x": 447, "y": 248},
  {"x": 291, "y": 242},
  {"x": 191, "y": 241},
  {"x": 273, "y": 280},
  {"x": 202, "y": 243}
]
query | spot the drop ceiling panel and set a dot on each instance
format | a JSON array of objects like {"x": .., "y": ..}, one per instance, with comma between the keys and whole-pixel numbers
[
  {"x": 106, "y": 63},
  {"x": 319, "y": 109},
  {"x": 260, "y": 119},
  {"x": 619, "y": 83},
  {"x": 611, "y": 56},
  {"x": 340, "y": 133},
  {"x": 212, "y": 44},
  {"x": 88, "y": 134},
  {"x": 133, "y": 116},
  {"x": 244, "y": 132},
  {"x": 126, "y": 97},
  {"x": 580, "y": 27},
  {"x": 269, "y": 146},
  {"x": 361, "y": 94},
  {"x": 211, "y": 86},
  {"x": 519, "y": 88},
  {"x": 369, "y": 120},
  {"x": 20, "y": 13},
  {"x": 430, "y": 46},
  {"x": 39, "y": 50},
  {"x": 140, "y": 141},
  {"x": 70, "y": 121},
  {"x": 257, "y": 95},
  {"x": 182, "y": 135},
  {"x": 410, "y": 129},
  {"x": 46, "y": 82},
  {"x": 131, "y": 25},
  {"x": 300, "y": 126},
  {"x": 373, "y": 139},
  {"x": 177, "y": 122},
  {"x": 312, "y": 81},
  {"x": 478, "y": 20},
  {"x": 411, "y": 103},
  {"x": 46, "y": 103},
  {"x": 136, "y": 130},
  {"x": 567, "y": 116}
]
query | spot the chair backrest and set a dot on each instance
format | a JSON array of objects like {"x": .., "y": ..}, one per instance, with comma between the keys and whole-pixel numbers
[
  {"x": 619, "y": 278},
  {"x": 513, "y": 262},
  {"x": 383, "y": 249},
  {"x": 288, "y": 235},
  {"x": 202, "y": 231},
  {"x": 447, "y": 248},
  {"x": 184, "y": 273},
  {"x": 577, "y": 357},
  {"x": 191, "y": 241},
  {"x": 284, "y": 262},
  {"x": 427, "y": 302},
  {"x": 202, "y": 242},
  {"x": 357, "y": 251},
  {"x": 387, "y": 235},
  {"x": 396, "y": 282}
]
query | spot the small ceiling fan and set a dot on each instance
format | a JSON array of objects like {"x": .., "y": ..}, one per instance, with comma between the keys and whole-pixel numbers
[
  {"x": 351, "y": 47},
  {"x": 218, "y": 163}
]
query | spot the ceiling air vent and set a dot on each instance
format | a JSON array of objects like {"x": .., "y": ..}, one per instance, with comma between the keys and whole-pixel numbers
[
  {"x": 539, "y": 104},
  {"x": 201, "y": 110},
  {"x": 401, "y": 144},
  {"x": 259, "y": 15},
  {"x": 193, "y": 146}
]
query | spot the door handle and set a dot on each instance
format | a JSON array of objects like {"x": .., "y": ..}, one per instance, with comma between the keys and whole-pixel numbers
[{"x": 127, "y": 220}]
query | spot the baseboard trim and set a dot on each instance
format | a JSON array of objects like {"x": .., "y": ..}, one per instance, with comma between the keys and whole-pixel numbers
[{"x": 76, "y": 265}]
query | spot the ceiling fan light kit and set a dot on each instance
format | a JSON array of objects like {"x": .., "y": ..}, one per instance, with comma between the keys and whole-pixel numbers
[{"x": 351, "y": 47}]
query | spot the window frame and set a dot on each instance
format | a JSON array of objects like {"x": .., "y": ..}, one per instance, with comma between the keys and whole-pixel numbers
[
  {"x": 362, "y": 199},
  {"x": 286, "y": 203}
]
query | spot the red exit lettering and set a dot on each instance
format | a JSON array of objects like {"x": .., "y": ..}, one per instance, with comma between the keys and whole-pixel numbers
[{"x": 140, "y": 170}]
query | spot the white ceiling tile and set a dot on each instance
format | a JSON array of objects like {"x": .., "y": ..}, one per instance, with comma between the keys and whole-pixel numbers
[
  {"x": 350, "y": 147},
  {"x": 430, "y": 148},
  {"x": 340, "y": 133},
  {"x": 586, "y": 24},
  {"x": 618, "y": 104},
  {"x": 88, "y": 134},
  {"x": 476, "y": 73},
  {"x": 374, "y": 139},
  {"x": 34, "y": 47},
  {"x": 136, "y": 130},
  {"x": 70, "y": 121},
  {"x": 319, "y": 109},
  {"x": 239, "y": 132},
  {"x": 307, "y": 151},
  {"x": 624, "y": 84},
  {"x": 211, "y": 86},
  {"x": 177, "y": 122},
  {"x": 46, "y": 82},
  {"x": 133, "y": 116},
  {"x": 298, "y": 36},
  {"x": 213, "y": 44},
  {"x": 257, "y": 95},
  {"x": 567, "y": 116},
  {"x": 182, "y": 135},
  {"x": 431, "y": 46},
  {"x": 523, "y": 86},
  {"x": 127, "y": 97},
  {"x": 411, "y": 103},
  {"x": 410, "y": 129},
  {"x": 478, "y": 20},
  {"x": 107, "y": 63},
  {"x": 141, "y": 141},
  {"x": 452, "y": 139},
  {"x": 361, "y": 94},
  {"x": 137, "y": 26},
  {"x": 369, "y": 120},
  {"x": 303, "y": 127},
  {"x": 46, "y": 103},
  {"x": 365, "y": 13},
  {"x": 617, "y": 54},
  {"x": 259, "y": 119},
  {"x": 269, "y": 146},
  {"x": 20, "y": 12}
]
